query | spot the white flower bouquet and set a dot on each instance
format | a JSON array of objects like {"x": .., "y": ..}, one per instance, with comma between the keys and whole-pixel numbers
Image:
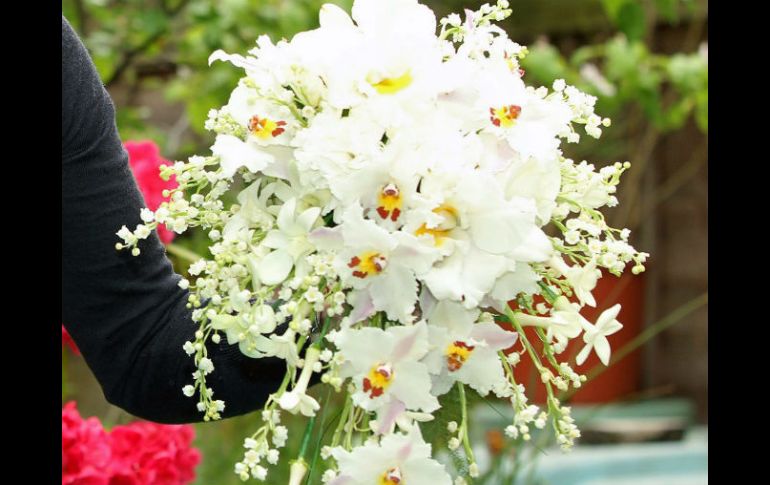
[{"x": 398, "y": 187}]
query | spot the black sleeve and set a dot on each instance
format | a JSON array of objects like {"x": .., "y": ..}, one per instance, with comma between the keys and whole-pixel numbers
[{"x": 127, "y": 314}]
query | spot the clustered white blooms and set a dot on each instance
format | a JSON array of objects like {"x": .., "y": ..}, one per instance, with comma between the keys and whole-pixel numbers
[{"x": 395, "y": 187}]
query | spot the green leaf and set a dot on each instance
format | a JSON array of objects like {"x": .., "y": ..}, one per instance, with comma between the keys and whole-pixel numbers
[
  {"x": 435, "y": 431},
  {"x": 668, "y": 9},
  {"x": 584, "y": 54},
  {"x": 631, "y": 20},
  {"x": 545, "y": 64},
  {"x": 612, "y": 7},
  {"x": 676, "y": 115},
  {"x": 651, "y": 105}
]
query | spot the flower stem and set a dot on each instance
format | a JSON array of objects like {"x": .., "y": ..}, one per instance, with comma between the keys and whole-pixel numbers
[
  {"x": 306, "y": 437},
  {"x": 343, "y": 420},
  {"x": 319, "y": 343},
  {"x": 464, "y": 424},
  {"x": 182, "y": 253}
]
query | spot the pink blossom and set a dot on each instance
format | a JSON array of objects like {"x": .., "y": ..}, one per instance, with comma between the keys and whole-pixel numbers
[
  {"x": 139, "y": 453},
  {"x": 85, "y": 449}
]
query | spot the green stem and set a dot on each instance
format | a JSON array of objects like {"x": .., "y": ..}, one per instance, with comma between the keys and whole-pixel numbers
[
  {"x": 319, "y": 343},
  {"x": 321, "y": 431},
  {"x": 182, "y": 252},
  {"x": 548, "y": 293},
  {"x": 464, "y": 425},
  {"x": 306, "y": 438},
  {"x": 343, "y": 419},
  {"x": 530, "y": 350}
]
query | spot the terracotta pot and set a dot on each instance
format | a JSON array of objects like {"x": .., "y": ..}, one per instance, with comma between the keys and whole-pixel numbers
[{"x": 620, "y": 379}]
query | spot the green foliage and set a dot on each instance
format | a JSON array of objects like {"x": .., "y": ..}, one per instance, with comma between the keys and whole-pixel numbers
[
  {"x": 628, "y": 16},
  {"x": 544, "y": 62},
  {"x": 668, "y": 89}
]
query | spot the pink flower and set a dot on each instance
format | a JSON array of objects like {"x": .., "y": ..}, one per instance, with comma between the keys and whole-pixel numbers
[
  {"x": 157, "y": 454},
  {"x": 85, "y": 449},
  {"x": 66, "y": 339},
  {"x": 145, "y": 160},
  {"x": 139, "y": 453}
]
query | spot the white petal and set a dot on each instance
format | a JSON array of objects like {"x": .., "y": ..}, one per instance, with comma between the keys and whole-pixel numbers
[
  {"x": 308, "y": 217},
  {"x": 411, "y": 342},
  {"x": 327, "y": 239},
  {"x": 498, "y": 230},
  {"x": 442, "y": 382},
  {"x": 411, "y": 384},
  {"x": 607, "y": 317},
  {"x": 583, "y": 355},
  {"x": 395, "y": 292},
  {"x": 275, "y": 240},
  {"x": 363, "y": 307},
  {"x": 275, "y": 267},
  {"x": 602, "y": 349},
  {"x": 536, "y": 247},
  {"x": 332, "y": 16},
  {"x": 454, "y": 317},
  {"x": 465, "y": 277},
  {"x": 365, "y": 347},
  {"x": 286, "y": 215},
  {"x": 482, "y": 371},
  {"x": 425, "y": 471},
  {"x": 495, "y": 337},
  {"x": 387, "y": 418},
  {"x": 235, "y": 59},
  {"x": 522, "y": 279},
  {"x": 234, "y": 154}
]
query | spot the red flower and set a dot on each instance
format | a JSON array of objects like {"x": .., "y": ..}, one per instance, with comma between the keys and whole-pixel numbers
[
  {"x": 66, "y": 339},
  {"x": 145, "y": 160},
  {"x": 85, "y": 449},
  {"x": 157, "y": 454},
  {"x": 140, "y": 453}
]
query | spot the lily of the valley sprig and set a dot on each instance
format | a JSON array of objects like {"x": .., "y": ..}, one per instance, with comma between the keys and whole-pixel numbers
[{"x": 397, "y": 182}]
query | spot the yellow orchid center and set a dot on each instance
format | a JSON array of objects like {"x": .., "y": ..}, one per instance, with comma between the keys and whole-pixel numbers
[
  {"x": 392, "y": 477},
  {"x": 265, "y": 128},
  {"x": 505, "y": 116},
  {"x": 456, "y": 354},
  {"x": 440, "y": 232},
  {"x": 367, "y": 264},
  {"x": 389, "y": 200},
  {"x": 378, "y": 379},
  {"x": 391, "y": 85}
]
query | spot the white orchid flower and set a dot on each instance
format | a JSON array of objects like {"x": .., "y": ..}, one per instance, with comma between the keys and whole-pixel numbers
[
  {"x": 465, "y": 351},
  {"x": 385, "y": 365},
  {"x": 235, "y": 153},
  {"x": 595, "y": 336},
  {"x": 485, "y": 235},
  {"x": 381, "y": 267},
  {"x": 288, "y": 241},
  {"x": 396, "y": 459},
  {"x": 582, "y": 279}
]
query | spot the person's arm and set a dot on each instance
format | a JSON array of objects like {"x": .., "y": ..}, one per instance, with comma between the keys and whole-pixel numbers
[{"x": 126, "y": 314}]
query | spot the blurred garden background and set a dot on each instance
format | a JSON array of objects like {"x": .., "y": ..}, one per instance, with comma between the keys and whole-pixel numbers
[{"x": 645, "y": 60}]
